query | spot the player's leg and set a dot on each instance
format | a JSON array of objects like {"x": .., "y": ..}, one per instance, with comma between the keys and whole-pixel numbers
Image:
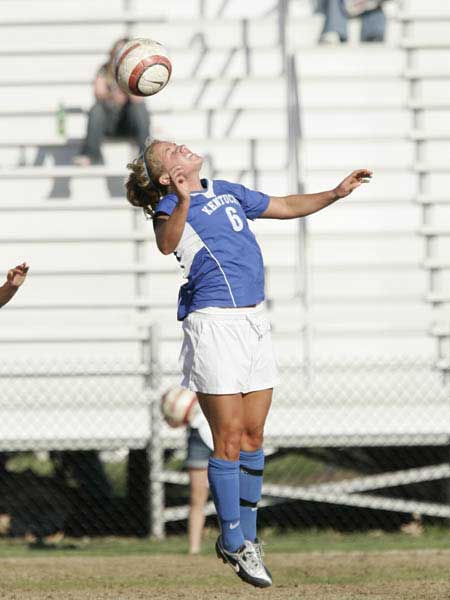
[
  {"x": 256, "y": 406},
  {"x": 225, "y": 417},
  {"x": 213, "y": 361},
  {"x": 198, "y": 482}
]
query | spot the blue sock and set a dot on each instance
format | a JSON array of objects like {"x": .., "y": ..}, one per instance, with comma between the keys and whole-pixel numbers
[
  {"x": 223, "y": 476},
  {"x": 250, "y": 486}
]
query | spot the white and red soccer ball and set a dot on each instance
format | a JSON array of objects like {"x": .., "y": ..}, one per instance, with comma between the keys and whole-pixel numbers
[
  {"x": 142, "y": 67},
  {"x": 178, "y": 406}
]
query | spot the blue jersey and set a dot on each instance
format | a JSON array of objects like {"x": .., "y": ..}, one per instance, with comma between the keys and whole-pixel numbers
[{"x": 218, "y": 252}]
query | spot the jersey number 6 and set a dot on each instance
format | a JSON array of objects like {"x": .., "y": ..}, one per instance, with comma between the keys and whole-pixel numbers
[{"x": 235, "y": 219}]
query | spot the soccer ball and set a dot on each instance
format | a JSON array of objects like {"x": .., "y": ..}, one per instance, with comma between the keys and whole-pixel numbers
[
  {"x": 142, "y": 67},
  {"x": 178, "y": 405}
]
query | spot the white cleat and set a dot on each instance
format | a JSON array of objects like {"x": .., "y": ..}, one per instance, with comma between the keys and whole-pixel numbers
[
  {"x": 260, "y": 552},
  {"x": 246, "y": 563}
]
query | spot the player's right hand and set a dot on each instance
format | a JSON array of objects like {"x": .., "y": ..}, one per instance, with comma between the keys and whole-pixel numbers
[{"x": 179, "y": 182}]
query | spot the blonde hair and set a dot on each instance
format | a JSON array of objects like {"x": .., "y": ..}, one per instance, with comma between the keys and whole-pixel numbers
[{"x": 144, "y": 189}]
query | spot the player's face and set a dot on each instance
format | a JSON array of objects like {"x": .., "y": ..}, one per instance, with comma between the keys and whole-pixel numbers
[{"x": 171, "y": 155}]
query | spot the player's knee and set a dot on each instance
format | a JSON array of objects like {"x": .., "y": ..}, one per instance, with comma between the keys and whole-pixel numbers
[
  {"x": 228, "y": 444},
  {"x": 252, "y": 438}
]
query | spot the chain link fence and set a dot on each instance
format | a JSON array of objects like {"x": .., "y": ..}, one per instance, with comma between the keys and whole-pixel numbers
[
  {"x": 72, "y": 447},
  {"x": 84, "y": 450}
]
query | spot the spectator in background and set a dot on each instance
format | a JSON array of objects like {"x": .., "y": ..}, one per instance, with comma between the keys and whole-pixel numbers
[
  {"x": 337, "y": 13},
  {"x": 14, "y": 279},
  {"x": 198, "y": 453},
  {"x": 114, "y": 113},
  {"x": 180, "y": 407}
]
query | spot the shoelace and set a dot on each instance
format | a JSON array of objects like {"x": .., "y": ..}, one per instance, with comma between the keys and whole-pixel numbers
[
  {"x": 250, "y": 555},
  {"x": 259, "y": 548}
]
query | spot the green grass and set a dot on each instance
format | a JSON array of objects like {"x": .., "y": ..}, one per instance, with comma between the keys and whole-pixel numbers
[
  {"x": 24, "y": 461},
  {"x": 306, "y": 566},
  {"x": 375, "y": 541},
  {"x": 117, "y": 475},
  {"x": 307, "y": 542},
  {"x": 293, "y": 468}
]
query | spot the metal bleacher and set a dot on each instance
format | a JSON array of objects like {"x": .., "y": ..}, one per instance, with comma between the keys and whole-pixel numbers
[
  {"x": 376, "y": 269},
  {"x": 362, "y": 320},
  {"x": 427, "y": 50},
  {"x": 216, "y": 102},
  {"x": 97, "y": 281}
]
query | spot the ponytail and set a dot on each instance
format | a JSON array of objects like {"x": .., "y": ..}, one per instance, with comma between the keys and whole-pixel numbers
[{"x": 143, "y": 187}]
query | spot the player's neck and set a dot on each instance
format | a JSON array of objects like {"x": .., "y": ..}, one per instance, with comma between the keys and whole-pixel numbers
[{"x": 194, "y": 183}]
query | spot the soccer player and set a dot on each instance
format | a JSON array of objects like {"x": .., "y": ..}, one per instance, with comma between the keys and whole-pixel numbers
[
  {"x": 226, "y": 356},
  {"x": 14, "y": 279}
]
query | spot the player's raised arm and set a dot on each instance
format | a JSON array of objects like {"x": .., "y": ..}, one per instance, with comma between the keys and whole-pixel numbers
[
  {"x": 14, "y": 279},
  {"x": 302, "y": 205},
  {"x": 169, "y": 229}
]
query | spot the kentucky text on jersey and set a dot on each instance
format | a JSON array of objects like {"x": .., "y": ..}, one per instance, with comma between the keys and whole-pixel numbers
[
  {"x": 218, "y": 252},
  {"x": 218, "y": 202}
]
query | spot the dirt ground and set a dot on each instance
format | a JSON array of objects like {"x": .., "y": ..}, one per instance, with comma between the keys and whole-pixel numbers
[{"x": 420, "y": 575}]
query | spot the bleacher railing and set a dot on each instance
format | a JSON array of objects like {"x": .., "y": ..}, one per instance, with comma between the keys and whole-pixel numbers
[{"x": 295, "y": 177}]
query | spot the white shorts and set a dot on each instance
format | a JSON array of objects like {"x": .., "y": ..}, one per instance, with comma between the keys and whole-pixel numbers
[{"x": 227, "y": 351}]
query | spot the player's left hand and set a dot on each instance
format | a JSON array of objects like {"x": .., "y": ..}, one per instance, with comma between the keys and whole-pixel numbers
[
  {"x": 352, "y": 181},
  {"x": 16, "y": 276}
]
